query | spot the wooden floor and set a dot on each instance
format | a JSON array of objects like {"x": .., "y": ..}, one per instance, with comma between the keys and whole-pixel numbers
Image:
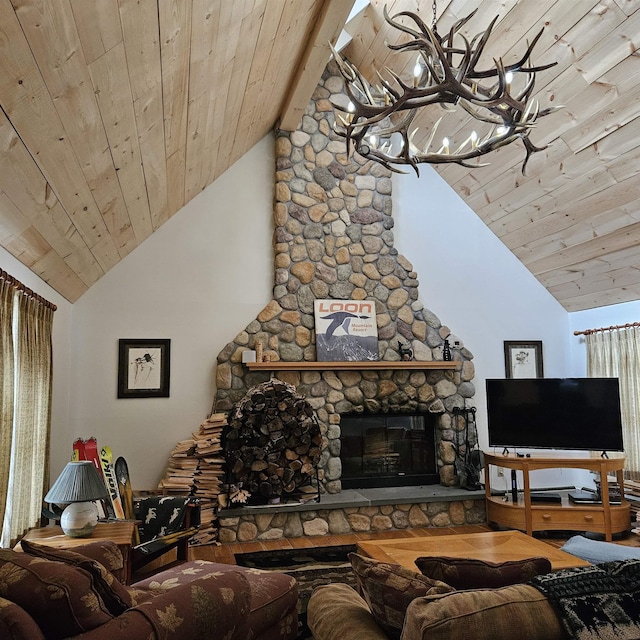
[{"x": 226, "y": 553}]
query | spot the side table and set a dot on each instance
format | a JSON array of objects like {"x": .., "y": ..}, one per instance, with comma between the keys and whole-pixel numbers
[{"x": 121, "y": 532}]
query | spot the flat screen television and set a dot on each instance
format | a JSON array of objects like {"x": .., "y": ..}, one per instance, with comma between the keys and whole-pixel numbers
[{"x": 555, "y": 413}]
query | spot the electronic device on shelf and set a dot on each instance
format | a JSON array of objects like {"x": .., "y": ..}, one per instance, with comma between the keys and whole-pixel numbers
[
  {"x": 555, "y": 413},
  {"x": 586, "y": 496},
  {"x": 545, "y": 496}
]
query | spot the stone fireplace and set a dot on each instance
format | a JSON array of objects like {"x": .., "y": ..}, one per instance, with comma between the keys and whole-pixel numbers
[{"x": 334, "y": 239}]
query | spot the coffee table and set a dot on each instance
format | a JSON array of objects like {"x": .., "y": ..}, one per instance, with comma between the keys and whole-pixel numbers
[{"x": 491, "y": 546}]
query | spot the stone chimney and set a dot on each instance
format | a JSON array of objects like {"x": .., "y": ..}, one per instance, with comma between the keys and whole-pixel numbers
[{"x": 334, "y": 239}]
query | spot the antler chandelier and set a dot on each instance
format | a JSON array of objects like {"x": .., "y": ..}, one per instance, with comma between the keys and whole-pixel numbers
[{"x": 445, "y": 77}]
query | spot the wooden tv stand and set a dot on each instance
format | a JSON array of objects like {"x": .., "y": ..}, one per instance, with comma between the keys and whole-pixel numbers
[{"x": 523, "y": 515}]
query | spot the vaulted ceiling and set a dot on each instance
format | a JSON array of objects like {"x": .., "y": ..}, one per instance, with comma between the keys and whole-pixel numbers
[{"x": 115, "y": 113}]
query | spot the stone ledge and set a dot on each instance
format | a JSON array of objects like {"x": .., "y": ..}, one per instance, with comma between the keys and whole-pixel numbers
[
  {"x": 349, "y": 498},
  {"x": 356, "y": 511}
]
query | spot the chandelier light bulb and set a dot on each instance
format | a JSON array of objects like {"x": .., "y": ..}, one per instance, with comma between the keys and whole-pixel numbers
[
  {"x": 474, "y": 139},
  {"x": 508, "y": 79},
  {"x": 417, "y": 72},
  {"x": 351, "y": 109}
]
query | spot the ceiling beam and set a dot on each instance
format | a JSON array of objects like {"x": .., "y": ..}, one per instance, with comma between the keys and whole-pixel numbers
[{"x": 332, "y": 19}]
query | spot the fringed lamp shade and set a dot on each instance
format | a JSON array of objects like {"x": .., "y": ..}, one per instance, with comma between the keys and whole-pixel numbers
[{"x": 77, "y": 486}]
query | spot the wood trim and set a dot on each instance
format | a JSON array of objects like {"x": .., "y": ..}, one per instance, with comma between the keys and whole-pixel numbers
[
  {"x": 317, "y": 54},
  {"x": 352, "y": 366}
]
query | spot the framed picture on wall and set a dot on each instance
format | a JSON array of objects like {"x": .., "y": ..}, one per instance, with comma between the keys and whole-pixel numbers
[
  {"x": 143, "y": 367},
  {"x": 523, "y": 359},
  {"x": 346, "y": 330}
]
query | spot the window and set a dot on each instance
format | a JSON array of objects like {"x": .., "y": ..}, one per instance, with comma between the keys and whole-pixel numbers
[
  {"x": 615, "y": 352},
  {"x": 26, "y": 322}
]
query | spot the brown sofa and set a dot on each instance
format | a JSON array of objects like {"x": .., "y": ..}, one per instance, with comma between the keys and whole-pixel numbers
[
  {"x": 51, "y": 594},
  {"x": 398, "y": 604},
  {"x": 337, "y": 612}
]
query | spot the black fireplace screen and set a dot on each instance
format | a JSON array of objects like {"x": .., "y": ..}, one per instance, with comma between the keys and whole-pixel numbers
[{"x": 380, "y": 450}]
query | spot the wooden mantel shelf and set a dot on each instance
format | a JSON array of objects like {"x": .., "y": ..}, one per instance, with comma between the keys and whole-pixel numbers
[{"x": 367, "y": 365}]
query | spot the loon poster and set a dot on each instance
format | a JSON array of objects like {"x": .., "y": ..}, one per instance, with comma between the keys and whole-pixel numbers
[{"x": 346, "y": 330}]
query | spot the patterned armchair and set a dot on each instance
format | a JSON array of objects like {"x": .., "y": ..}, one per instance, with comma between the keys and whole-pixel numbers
[{"x": 52, "y": 594}]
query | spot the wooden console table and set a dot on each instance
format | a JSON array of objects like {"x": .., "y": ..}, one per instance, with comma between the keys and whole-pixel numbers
[
  {"x": 602, "y": 517},
  {"x": 121, "y": 533}
]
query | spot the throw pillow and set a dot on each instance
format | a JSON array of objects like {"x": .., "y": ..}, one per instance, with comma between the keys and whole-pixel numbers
[
  {"x": 597, "y": 551},
  {"x": 467, "y": 573},
  {"x": 61, "y": 599},
  {"x": 389, "y": 588},
  {"x": 107, "y": 553},
  {"x": 517, "y": 611},
  {"x": 114, "y": 594}
]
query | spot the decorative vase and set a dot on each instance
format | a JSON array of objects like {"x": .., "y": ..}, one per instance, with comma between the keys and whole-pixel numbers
[{"x": 79, "y": 519}]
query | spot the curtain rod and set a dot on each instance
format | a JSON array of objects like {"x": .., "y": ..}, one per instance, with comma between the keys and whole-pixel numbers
[
  {"x": 25, "y": 290},
  {"x": 587, "y": 332}
]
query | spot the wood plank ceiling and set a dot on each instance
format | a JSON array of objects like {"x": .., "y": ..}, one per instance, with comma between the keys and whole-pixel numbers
[{"x": 115, "y": 113}]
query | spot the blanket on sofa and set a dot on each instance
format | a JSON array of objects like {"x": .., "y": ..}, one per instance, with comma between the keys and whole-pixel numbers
[{"x": 601, "y": 602}]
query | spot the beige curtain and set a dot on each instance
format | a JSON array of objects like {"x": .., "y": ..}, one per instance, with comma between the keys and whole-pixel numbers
[
  {"x": 616, "y": 354},
  {"x": 28, "y": 466},
  {"x": 7, "y": 293}
]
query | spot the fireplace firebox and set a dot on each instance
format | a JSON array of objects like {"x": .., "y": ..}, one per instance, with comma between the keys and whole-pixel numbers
[{"x": 388, "y": 450}]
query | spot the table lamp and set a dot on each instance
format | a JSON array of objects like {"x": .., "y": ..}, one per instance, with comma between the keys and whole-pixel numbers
[{"x": 77, "y": 486}]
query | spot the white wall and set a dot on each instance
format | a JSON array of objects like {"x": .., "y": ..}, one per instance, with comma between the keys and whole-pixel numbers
[
  {"x": 199, "y": 280},
  {"x": 477, "y": 287},
  {"x": 472, "y": 282},
  {"x": 62, "y": 330}
]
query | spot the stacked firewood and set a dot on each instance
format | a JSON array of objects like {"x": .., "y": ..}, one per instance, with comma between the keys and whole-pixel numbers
[
  {"x": 273, "y": 441},
  {"x": 195, "y": 468},
  {"x": 181, "y": 470},
  {"x": 209, "y": 479}
]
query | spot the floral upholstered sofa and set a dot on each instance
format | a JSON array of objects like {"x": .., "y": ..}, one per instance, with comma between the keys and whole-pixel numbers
[{"x": 51, "y": 594}]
